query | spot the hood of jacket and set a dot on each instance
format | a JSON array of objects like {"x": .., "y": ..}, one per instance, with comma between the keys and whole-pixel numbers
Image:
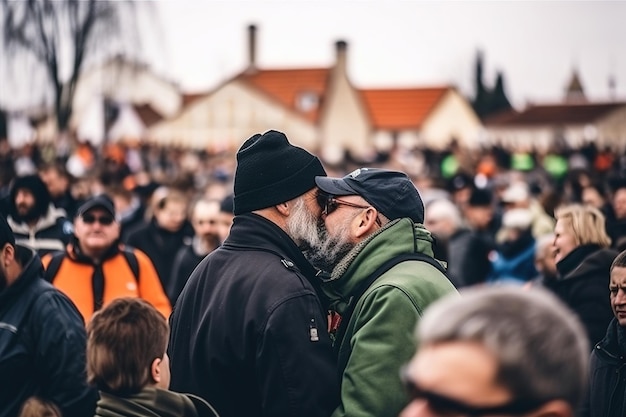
[
  {"x": 395, "y": 238},
  {"x": 153, "y": 402},
  {"x": 49, "y": 219}
]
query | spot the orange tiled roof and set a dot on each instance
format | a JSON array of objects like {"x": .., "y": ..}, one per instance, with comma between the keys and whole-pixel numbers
[
  {"x": 287, "y": 85},
  {"x": 401, "y": 108},
  {"x": 551, "y": 114}
]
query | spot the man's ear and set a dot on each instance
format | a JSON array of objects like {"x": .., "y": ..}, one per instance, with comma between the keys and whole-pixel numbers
[
  {"x": 283, "y": 208},
  {"x": 7, "y": 255},
  {"x": 366, "y": 223},
  {"x": 155, "y": 370}
]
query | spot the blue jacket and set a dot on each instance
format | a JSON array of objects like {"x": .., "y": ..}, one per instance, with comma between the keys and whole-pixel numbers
[{"x": 42, "y": 345}]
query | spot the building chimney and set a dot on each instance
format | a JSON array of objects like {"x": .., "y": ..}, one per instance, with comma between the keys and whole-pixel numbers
[
  {"x": 251, "y": 47},
  {"x": 341, "y": 48}
]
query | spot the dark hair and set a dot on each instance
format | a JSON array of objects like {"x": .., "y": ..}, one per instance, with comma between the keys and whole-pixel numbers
[
  {"x": 123, "y": 340},
  {"x": 619, "y": 261}
]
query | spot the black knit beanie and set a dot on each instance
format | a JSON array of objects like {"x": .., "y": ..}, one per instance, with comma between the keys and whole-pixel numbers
[{"x": 271, "y": 171}]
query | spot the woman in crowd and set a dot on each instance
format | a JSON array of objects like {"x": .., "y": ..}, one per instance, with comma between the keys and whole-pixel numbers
[{"x": 583, "y": 259}]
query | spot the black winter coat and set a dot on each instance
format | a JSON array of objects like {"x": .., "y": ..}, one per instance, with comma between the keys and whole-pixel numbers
[
  {"x": 583, "y": 284},
  {"x": 607, "y": 388},
  {"x": 42, "y": 345},
  {"x": 248, "y": 333},
  {"x": 160, "y": 245}
]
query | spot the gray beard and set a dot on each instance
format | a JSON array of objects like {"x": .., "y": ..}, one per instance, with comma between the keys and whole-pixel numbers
[{"x": 309, "y": 233}]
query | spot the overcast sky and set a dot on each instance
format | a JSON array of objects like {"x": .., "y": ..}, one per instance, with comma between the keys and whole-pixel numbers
[{"x": 395, "y": 43}]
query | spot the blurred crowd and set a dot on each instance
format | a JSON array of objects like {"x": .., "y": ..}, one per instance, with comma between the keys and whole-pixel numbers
[{"x": 136, "y": 220}]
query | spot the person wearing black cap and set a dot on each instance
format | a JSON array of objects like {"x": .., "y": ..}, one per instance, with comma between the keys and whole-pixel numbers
[
  {"x": 248, "y": 332},
  {"x": 42, "y": 337},
  {"x": 96, "y": 268},
  {"x": 381, "y": 277},
  {"x": 34, "y": 219}
]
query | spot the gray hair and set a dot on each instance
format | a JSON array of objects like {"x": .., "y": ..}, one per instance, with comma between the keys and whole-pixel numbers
[{"x": 540, "y": 347}]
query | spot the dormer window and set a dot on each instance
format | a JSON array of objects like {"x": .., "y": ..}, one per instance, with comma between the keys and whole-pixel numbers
[{"x": 307, "y": 101}]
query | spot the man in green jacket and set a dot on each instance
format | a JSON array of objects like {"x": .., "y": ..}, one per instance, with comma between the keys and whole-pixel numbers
[{"x": 374, "y": 231}]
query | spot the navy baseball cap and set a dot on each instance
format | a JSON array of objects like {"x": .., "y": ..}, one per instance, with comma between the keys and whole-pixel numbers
[
  {"x": 390, "y": 192},
  {"x": 102, "y": 201}
]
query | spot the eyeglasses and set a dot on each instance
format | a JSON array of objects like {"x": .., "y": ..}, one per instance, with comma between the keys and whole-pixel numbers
[
  {"x": 103, "y": 220},
  {"x": 446, "y": 406},
  {"x": 329, "y": 203}
]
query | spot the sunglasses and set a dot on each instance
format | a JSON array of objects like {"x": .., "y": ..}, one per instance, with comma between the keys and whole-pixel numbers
[
  {"x": 445, "y": 406},
  {"x": 103, "y": 220},
  {"x": 329, "y": 203}
]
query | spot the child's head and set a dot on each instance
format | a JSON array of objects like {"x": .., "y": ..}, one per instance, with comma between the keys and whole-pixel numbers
[{"x": 126, "y": 344}]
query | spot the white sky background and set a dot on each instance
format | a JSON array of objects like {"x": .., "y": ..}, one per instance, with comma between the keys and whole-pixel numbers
[{"x": 394, "y": 43}]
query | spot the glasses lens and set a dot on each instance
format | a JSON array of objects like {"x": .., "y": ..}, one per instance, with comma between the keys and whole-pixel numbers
[{"x": 104, "y": 220}]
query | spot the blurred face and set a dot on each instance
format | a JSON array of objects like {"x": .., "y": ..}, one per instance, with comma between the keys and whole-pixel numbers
[
  {"x": 205, "y": 223},
  {"x": 617, "y": 289},
  {"x": 479, "y": 217},
  {"x": 591, "y": 197},
  {"x": 463, "y": 373},
  {"x": 56, "y": 184},
  {"x": 564, "y": 239},
  {"x": 172, "y": 215},
  {"x": 545, "y": 262},
  {"x": 25, "y": 203},
  {"x": 96, "y": 231},
  {"x": 224, "y": 221},
  {"x": 619, "y": 203}
]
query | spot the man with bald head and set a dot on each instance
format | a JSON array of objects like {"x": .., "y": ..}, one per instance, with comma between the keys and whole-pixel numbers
[{"x": 205, "y": 222}]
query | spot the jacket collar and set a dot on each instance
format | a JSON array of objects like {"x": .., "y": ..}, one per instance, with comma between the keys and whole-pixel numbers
[
  {"x": 76, "y": 254},
  {"x": 49, "y": 220},
  {"x": 614, "y": 342},
  {"x": 574, "y": 259},
  {"x": 252, "y": 231},
  {"x": 395, "y": 238}
]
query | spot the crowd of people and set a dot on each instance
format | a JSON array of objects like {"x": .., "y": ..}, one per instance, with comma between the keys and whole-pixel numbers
[{"x": 136, "y": 282}]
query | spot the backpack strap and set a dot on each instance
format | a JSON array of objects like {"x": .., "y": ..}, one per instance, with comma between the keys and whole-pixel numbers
[
  {"x": 53, "y": 267},
  {"x": 345, "y": 317},
  {"x": 132, "y": 260}
]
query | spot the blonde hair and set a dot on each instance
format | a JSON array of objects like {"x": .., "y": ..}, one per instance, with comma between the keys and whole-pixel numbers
[{"x": 586, "y": 222}]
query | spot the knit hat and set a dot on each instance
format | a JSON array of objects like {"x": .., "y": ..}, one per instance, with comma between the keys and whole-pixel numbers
[
  {"x": 271, "y": 171},
  {"x": 391, "y": 192},
  {"x": 6, "y": 234}
]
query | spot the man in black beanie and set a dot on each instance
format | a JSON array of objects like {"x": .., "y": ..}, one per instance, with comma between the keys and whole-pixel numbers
[
  {"x": 35, "y": 221},
  {"x": 248, "y": 332}
]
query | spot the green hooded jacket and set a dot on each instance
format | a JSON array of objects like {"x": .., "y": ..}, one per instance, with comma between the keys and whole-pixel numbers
[{"x": 380, "y": 337}]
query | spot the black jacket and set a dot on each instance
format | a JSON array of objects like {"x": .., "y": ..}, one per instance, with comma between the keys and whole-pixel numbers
[
  {"x": 248, "y": 333},
  {"x": 583, "y": 284},
  {"x": 160, "y": 245},
  {"x": 42, "y": 345},
  {"x": 185, "y": 262},
  {"x": 607, "y": 389}
]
